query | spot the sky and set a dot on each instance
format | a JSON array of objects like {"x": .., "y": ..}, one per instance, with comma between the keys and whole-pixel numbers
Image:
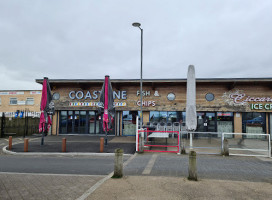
[{"x": 88, "y": 39}]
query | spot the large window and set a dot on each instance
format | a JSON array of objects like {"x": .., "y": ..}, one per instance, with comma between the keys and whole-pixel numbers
[
  {"x": 225, "y": 122},
  {"x": 129, "y": 122},
  {"x": 13, "y": 101},
  {"x": 254, "y": 122},
  {"x": 29, "y": 101},
  {"x": 80, "y": 122},
  {"x": 171, "y": 116}
]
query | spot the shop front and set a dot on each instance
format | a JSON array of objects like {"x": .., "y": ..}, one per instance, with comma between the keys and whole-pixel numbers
[{"x": 223, "y": 105}]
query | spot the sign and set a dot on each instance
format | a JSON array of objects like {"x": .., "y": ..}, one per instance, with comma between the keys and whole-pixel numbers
[
  {"x": 239, "y": 98},
  {"x": 145, "y": 93},
  {"x": 96, "y": 104},
  {"x": 95, "y": 95},
  {"x": 35, "y": 92},
  {"x": 146, "y": 103},
  {"x": 258, "y": 106},
  {"x": 11, "y": 93}
]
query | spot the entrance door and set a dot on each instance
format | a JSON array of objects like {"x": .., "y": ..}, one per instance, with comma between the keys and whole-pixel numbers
[
  {"x": 70, "y": 122},
  {"x": 206, "y": 122},
  {"x": 210, "y": 117}
]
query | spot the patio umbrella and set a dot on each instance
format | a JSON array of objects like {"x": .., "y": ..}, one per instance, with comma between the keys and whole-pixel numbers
[
  {"x": 46, "y": 108},
  {"x": 107, "y": 106},
  {"x": 191, "y": 117}
]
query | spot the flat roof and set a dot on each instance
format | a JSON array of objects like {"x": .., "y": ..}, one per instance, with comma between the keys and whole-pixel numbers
[{"x": 199, "y": 80}]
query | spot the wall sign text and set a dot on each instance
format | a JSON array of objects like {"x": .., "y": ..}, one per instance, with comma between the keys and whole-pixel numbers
[{"x": 95, "y": 95}]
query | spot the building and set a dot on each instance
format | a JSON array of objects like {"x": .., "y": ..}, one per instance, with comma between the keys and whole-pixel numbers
[
  {"x": 241, "y": 105},
  {"x": 17, "y": 102},
  {"x": 19, "y": 112}
]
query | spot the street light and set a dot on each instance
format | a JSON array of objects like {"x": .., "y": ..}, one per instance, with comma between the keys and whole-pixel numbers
[{"x": 136, "y": 24}]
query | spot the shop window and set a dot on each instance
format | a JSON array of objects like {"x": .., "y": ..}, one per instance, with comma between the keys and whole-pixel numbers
[
  {"x": 225, "y": 122},
  {"x": 171, "y": 116},
  {"x": 129, "y": 122},
  {"x": 63, "y": 121},
  {"x": 253, "y": 122},
  {"x": 13, "y": 101},
  {"x": 29, "y": 101}
]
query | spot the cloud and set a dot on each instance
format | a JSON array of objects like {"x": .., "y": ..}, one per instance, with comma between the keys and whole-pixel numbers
[{"x": 88, "y": 39}]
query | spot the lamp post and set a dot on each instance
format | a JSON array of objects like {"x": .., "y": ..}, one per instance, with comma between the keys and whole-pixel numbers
[{"x": 136, "y": 24}]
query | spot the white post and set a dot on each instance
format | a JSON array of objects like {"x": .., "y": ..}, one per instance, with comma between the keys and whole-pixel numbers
[
  {"x": 191, "y": 140},
  {"x": 137, "y": 133},
  {"x": 269, "y": 146}
]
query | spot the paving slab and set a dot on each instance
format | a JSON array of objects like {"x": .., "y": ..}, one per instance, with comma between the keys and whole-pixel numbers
[
  {"x": 37, "y": 186},
  {"x": 176, "y": 188}
]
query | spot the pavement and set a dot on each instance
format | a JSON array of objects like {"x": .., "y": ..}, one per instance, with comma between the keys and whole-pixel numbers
[
  {"x": 74, "y": 144},
  {"x": 146, "y": 176}
]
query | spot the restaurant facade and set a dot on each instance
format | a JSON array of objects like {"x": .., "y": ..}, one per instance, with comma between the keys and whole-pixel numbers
[{"x": 223, "y": 105}]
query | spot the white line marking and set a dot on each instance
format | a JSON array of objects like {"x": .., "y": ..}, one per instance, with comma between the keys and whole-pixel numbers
[
  {"x": 99, "y": 183},
  {"x": 43, "y": 174},
  {"x": 150, "y": 164}
]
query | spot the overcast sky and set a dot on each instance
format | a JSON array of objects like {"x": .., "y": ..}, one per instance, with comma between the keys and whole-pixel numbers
[{"x": 87, "y": 39}]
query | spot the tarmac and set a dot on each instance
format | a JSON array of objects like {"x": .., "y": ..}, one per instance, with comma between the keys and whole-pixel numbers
[{"x": 146, "y": 176}]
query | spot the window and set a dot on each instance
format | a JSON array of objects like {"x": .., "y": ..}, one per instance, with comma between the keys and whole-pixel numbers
[
  {"x": 13, "y": 101},
  {"x": 254, "y": 122},
  {"x": 29, "y": 101}
]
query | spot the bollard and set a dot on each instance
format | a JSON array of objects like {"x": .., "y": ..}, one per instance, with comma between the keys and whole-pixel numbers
[
  {"x": 63, "y": 144},
  {"x": 141, "y": 142},
  {"x": 10, "y": 142},
  {"x": 26, "y": 145},
  {"x": 225, "y": 147},
  {"x": 101, "y": 144},
  {"x": 118, "y": 163},
  {"x": 183, "y": 151},
  {"x": 192, "y": 166}
]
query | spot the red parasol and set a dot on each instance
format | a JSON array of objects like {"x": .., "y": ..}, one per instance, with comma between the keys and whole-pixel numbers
[
  {"x": 45, "y": 120},
  {"x": 107, "y": 103}
]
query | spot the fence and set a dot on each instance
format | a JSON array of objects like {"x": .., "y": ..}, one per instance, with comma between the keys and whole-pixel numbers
[
  {"x": 240, "y": 144},
  {"x": 248, "y": 144},
  {"x": 159, "y": 141},
  {"x": 202, "y": 142},
  {"x": 18, "y": 126}
]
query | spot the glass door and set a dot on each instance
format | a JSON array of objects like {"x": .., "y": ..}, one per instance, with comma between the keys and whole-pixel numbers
[
  {"x": 82, "y": 122},
  {"x": 70, "y": 122},
  {"x": 210, "y": 118},
  {"x": 92, "y": 122}
]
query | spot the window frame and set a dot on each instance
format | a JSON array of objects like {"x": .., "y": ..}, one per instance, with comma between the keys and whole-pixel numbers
[
  {"x": 13, "y": 98},
  {"x": 26, "y": 103}
]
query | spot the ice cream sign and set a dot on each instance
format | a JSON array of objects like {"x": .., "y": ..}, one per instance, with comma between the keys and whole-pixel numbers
[{"x": 239, "y": 98}]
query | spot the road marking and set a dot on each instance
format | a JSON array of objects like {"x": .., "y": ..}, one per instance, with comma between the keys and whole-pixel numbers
[
  {"x": 99, "y": 183},
  {"x": 150, "y": 164},
  {"x": 43, "y": 174}
]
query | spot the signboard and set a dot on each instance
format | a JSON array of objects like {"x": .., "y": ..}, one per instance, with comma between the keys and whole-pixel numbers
[
  {"x": 239, "y": 98},
  {"x": 96, "y": 104},
  {"x": 11, "y": 93},
  {"x": 35, "y": 92},
  {"x": 95, "y": 94}
]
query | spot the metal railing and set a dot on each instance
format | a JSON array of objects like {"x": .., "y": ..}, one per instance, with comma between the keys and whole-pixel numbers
[{"x": 248, "y": 144}]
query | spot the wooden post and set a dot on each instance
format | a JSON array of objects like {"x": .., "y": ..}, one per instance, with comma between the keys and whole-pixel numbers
[
  {"x": 118, "y": 163},
  {"x": 26, "y": 145},
  {"x": 63, "y": 144},
  {"x": 192, "y": 166},
  {"x": 101, "y": 144},
  {"x": 10, "y": 142}
]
